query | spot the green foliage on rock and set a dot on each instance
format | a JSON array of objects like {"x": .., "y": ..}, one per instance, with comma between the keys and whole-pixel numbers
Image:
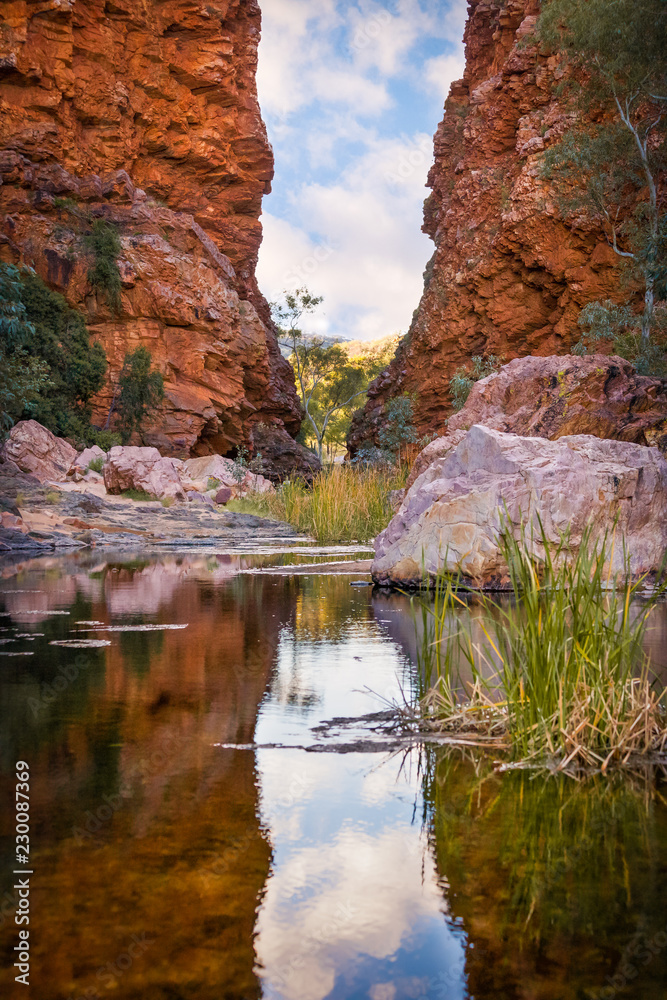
[
  {"x": 141, "y": 389},
  {"x": 464, "y": 378},
  {"x": 620, "y": 325},
  {"x": 609, "y": 164},
  {"x": 49, "y": 369},
  {"x": 104, "y": 244},
  {"x": 21, "y": 376},
  {"x": 398, "y": 427},
  {"x": 76, "y": 366}
]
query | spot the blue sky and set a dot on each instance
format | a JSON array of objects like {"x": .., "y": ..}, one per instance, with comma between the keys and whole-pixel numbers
[{"x": 351, "y": 95}]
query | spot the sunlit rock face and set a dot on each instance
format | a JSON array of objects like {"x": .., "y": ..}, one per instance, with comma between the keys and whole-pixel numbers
[
  {"x": 509, "y": 274},
  {"x": 147, "y": 116}
]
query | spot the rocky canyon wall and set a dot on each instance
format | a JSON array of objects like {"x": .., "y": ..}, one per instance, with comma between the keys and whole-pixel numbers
[
  {"x": 145, "y": 114},
  {"x": 509, "y": 274}
]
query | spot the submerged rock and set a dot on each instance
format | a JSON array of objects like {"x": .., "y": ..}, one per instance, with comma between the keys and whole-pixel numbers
[
  {"x": 35, "y": 450},
  {"x": 451, "y": 514}
]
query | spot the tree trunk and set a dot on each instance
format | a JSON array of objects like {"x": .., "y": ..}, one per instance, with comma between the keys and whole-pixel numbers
[{"x": 647, "y": 317}]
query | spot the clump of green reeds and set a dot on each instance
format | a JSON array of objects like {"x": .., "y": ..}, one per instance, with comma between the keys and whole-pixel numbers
[
  {"x": 559, "y": 671},
  {"x": 344, "y": 503}
]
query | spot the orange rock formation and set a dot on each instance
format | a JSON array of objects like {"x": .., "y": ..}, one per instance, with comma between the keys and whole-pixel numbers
[
  {"x": 147, "y": 116},
  {"x": 509, "y": 274}
]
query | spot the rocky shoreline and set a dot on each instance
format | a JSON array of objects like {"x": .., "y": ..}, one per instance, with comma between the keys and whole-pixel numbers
[{"x": 41, "y": 518}]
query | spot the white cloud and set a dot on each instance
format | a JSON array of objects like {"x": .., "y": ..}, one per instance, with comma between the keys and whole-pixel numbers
[
  {"x": 441, "y": 71},
  {"x": 347, "y": 218}
]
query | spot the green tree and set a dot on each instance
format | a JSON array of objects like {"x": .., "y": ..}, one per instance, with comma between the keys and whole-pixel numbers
[
  {"x": 21, "y": 376},
  {"x": 104, "y": 244},
  {"x": 76, "y": 366},
  {"x": 609, "y": 164},
  {"x": 140, "y": 390},
  {"x": 328, "y": 380}
]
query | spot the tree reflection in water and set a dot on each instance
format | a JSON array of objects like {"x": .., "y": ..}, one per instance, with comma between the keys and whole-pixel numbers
[{"x": 560, "y": 884}]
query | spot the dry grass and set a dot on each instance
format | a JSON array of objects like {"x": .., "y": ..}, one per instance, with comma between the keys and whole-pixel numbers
[{"x": 344, "y": 504}]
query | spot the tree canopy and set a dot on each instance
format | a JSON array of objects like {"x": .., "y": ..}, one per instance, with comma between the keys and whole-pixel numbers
[
  {"x": 49, "y": 368},
  {"x": 328, "y": 379}
]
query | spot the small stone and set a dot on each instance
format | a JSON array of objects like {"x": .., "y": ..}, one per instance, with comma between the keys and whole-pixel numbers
[{"x": 223, "y": 495}]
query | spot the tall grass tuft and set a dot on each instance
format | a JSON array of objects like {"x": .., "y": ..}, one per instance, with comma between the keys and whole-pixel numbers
[
  {"x": 344, "y": 504},
  {"x": 559, "y": 671}
]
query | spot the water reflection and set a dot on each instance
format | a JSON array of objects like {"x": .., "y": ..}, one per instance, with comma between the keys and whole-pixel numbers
[
  {"x": 559, "y": 884},
  {"x": 289, "y": 871}
]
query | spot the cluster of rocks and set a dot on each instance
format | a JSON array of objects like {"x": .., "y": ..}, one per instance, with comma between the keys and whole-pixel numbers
[
  {"x": 516, "y": 451},
  {"x": 32, "y": 449}
]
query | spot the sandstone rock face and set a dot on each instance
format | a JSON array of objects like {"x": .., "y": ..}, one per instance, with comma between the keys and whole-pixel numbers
[
  {"x": 509, "y": 274},
  {"x": 37, "y": 451},
  {"x": 282, "y": 456},
  {"x": 147, "y": 116},
  {"x": 558, "y": 396},
  {"x": 131, "y": 468},
  {"x": 450, "y": 517}
]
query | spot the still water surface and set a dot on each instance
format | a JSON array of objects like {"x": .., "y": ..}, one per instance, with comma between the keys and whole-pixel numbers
[{"x": 195, "y": 834}]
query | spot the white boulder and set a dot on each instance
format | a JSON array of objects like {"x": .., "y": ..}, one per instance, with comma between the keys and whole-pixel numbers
[
  {"x": 451, "y": 515},
  {"x": 133, "y": 468}
]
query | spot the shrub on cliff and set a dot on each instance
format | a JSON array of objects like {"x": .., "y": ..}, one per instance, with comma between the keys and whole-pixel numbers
[
  {"x": 464, "y": 378},
  {"x": 140, "y": 389},
  {"x": 49, "y": 363},
  {"x": 104, "y": 244},
  {"x": 611, "y": 162},
  {"x": 76, "y": 366}
]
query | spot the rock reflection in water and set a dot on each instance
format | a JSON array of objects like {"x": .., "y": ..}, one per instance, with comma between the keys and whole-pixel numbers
[
  {"x": 141, "y": 828},
  {"x": 291, "y": 874}
]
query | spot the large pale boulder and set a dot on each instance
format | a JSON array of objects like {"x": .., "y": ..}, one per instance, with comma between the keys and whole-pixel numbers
[
  {"x": 38, "y": 452},
  {"x": 198, "y": 471},
  {"x": 88, "y": 455},
  {"x": 451, "y": 515},
  {"x": 132, "y": 468},
  {"x": 558, "y": 396}
]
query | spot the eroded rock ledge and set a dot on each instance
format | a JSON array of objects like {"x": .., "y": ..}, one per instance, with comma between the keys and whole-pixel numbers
[{"x": 147, "y": 116}]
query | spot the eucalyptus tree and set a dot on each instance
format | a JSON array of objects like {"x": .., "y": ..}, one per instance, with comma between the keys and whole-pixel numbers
[{"x": 327, "y": 378}]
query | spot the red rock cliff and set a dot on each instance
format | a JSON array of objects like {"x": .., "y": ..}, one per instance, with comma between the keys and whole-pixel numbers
[
  {"x": 146, "y": 114},
  {"x": 509, "y": 274}
]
